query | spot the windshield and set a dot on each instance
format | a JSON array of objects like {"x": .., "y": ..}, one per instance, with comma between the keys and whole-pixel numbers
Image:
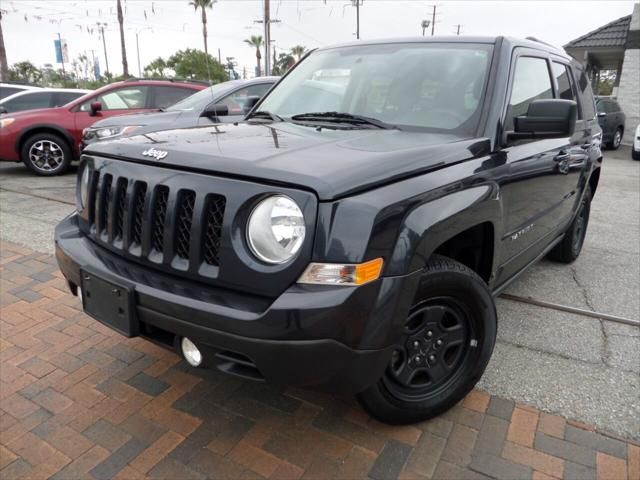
[
  {"x": 433, "y": 86},
  {"x": 199, "y": 100}
]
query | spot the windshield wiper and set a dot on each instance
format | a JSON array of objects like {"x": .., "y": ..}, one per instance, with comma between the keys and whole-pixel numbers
[
  {"x": 341, "y": 117},
  {"x": 265, "y": 114}
]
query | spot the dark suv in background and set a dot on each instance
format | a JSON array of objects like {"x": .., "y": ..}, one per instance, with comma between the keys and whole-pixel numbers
[{"x": 611, "y": 119}]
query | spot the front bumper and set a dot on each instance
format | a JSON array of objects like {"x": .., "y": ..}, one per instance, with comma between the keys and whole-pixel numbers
[{"x": 340, "y": 338}]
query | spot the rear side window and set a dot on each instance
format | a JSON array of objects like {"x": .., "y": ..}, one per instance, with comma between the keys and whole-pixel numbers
[
  {"x": 564, "y": 81},
  {"x": 28, "y": 102},
  {"x": 166, "y": 96},
  {"x": 127, "y": 98},
  {"x": 531, "y": 82},
  {"x": 588, "y": 105},
  {"x": 62, "y": 98}
]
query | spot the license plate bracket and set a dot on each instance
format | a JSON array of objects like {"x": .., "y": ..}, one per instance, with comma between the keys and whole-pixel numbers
[{"x": 111, "y": 303}]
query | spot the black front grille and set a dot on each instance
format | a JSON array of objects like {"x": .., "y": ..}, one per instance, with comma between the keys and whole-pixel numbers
[
  {"x": 184, "y": 221},
  {"x": 138, "y": 212},
  {"x": 119, "y": 204},
  {"x": 155, "y": 223},
  {"x": 159, "y": 218},
  {"x": 212, "y": 228},
  {"x": 106, "y": 202}
]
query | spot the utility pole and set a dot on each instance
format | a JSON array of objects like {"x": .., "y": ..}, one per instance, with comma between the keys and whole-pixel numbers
[
  {"x": 357, "y": 19},
  {"x": 267, "y": 37},
  {"x": 104, "y": 45},
  {"x": 433, "y": 20},
  {"x": 64, "y": 74},
  {"x": 219, "y": 56},
  {"x": 458, "y": 29}
]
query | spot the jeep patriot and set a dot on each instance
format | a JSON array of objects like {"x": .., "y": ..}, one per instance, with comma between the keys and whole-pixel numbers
[{"x": 353, "y": 231}]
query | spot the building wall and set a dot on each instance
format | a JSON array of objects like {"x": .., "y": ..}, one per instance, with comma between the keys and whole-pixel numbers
[{"x": 629, "y": 88}]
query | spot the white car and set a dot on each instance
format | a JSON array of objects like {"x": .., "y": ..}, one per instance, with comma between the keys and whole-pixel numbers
[
  {"x": 39, "y": 98},
  {"x": 7, "y": 89},
  {"x": 635, "y": 149}
]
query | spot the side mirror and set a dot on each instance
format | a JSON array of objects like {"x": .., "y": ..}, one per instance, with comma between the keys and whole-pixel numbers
[
  {"x": 250, "y": 103},
  {"x": 546, "y": 119},
  {"x": 215, "y": 110},
  {"x": 95, "y": 108},
  {"x": 602, "y": 114}
]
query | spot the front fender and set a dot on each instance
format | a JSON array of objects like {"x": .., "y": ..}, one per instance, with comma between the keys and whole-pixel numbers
[{"x": 429, "y": 225}]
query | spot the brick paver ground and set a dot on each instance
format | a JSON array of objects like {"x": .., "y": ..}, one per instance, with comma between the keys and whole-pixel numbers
[{"x": 80, "y": 401}]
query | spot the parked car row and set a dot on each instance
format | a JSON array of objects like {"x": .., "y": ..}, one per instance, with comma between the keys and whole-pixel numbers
[{"x": 47, "y": 128}]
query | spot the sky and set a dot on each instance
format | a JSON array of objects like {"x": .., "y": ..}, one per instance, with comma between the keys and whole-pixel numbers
[{"x": 165, "y": 26}]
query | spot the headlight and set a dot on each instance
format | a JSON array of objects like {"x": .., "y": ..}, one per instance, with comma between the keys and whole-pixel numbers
[
  {"x": 83, "y": 188},
  {"x": 276, "y": 230},
  {"x": 5, "y": 122},
  {"x": 102, "y": 133}
]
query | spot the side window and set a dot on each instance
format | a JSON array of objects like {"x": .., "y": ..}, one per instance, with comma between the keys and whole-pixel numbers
[
  {"x": 126, "y": 98},
  {"x": 586, "y": 93},
  {"x": 235, "y": 101},
  {"x": 259, "y": 90},
  {"x": 566, "y": 87},
  {"x": 6, "y": 91},
  {"x": 28, "y": 102},
  {"x": 601, "y": 106},
  {"x": 166, "y": 96},
  {"x": 615, "y": 107},
  {"x": 62, "y": 98},
  {"x": 531, "y": 81}
]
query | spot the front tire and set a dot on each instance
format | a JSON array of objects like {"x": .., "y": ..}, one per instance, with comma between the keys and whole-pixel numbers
[
  {"x": 445, "y": 346},
  {"x": 571, "y": 245},
  {"x": 46, "y": 154}
]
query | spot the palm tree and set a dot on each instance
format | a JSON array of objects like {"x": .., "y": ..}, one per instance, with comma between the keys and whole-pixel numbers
[
  {"x": 203, "y": 5},
  {"x": 4, "y": 67},
  {"x": 256, "y": 41},
  {"x": 125, "y": 64},
  {"x": 298, "y": 51}
]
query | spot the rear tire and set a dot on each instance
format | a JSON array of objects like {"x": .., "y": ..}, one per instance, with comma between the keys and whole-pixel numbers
[
  {"x": 445, "y": 346},
  {"x": 571, "y": 245},
  {"x": 46, "y": 154},
  {"x": 615, "y": 142}
]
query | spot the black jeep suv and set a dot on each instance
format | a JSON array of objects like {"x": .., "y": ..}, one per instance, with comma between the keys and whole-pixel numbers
[{"x": 354, "y": 230}]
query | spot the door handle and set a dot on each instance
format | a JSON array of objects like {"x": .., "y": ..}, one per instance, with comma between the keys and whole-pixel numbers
[
  {"x": 561, "y": 156},
  {"x": 586, "y": 146}
]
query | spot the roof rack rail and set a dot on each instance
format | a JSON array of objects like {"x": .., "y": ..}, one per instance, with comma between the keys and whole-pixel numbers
[
  {"x": 534, "y": 39},
  {"x": 176, "y": 80}
]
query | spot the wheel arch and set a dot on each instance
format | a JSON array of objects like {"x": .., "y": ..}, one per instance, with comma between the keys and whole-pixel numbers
[
  {"x": 43, "y": 128},
  {"x": 451, "y": 225}
]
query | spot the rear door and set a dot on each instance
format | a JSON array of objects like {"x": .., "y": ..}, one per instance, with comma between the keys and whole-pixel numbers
[{"x": 539, "y": 191}]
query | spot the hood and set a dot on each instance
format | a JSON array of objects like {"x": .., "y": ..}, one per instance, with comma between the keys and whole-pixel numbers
[
  {"x": 332, "y": 163},
  {"x": 146, "y": 118}
]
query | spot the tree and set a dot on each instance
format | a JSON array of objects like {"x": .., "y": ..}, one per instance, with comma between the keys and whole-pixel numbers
[
  {"x": 196, "y": 64},
  {"x": 298, "y": 51},
  {"x": 25, "y": 72},
  {"x": 125, "y": 65},
  {"x": 256, "y": 41},
  {"x": 157, "y": 68},
  {"x": 4, "y": 67},
  {"x": 283, "y": 63},
  {"x": 203, "y": 5}
]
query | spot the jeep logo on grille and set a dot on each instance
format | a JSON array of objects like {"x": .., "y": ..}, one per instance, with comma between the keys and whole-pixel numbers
[{"x": 157, "y": 154}]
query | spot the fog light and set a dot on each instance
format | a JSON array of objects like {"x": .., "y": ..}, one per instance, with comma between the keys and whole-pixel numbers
[{"x": 191, "y": 354}]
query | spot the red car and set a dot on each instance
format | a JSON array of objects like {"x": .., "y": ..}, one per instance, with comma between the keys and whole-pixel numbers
[{"x": 46, "y": 140}]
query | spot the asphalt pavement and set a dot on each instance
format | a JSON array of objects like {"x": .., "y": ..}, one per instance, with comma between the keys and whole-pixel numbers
[{"x": 573, "y": 365}]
